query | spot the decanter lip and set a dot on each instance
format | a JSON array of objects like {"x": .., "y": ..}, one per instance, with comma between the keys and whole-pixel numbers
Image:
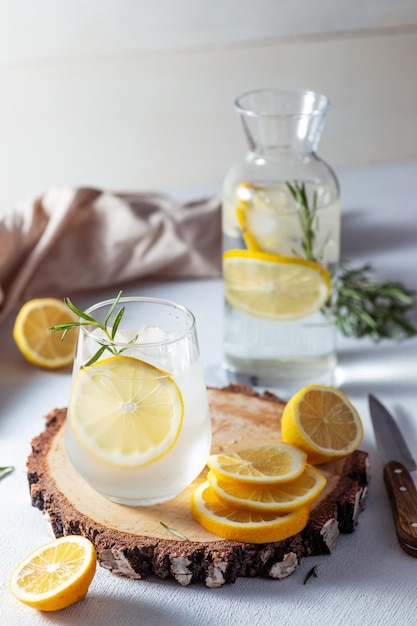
[{"x": 282, "y": 103}]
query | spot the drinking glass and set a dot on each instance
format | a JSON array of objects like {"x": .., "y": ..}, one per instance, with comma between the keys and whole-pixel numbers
[{"x": 138, "y": 426}]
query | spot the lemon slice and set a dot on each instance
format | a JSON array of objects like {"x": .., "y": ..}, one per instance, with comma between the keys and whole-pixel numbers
[
  {"x": 126, "y": 412},
  {"x": 241, "y": 525},
  {"x": 244, "y": 196},
  {"x": 274, "y": 287},
  {"x": 265, "y": 464},
  {"x": 282, "y": 497},
  {"x": 34, "y": 339},
  {"x": 322, "y": 421},
  {"x": 56, "y": 574}
]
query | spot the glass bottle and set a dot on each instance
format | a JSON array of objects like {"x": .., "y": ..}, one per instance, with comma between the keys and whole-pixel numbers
[{"x": 281, "y": 246}]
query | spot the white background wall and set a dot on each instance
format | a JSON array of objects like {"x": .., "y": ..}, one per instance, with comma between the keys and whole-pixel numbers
[{"x": 137, "y": 95}]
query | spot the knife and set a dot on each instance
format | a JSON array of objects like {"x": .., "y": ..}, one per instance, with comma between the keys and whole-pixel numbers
[{"x": 398, "y": 482}]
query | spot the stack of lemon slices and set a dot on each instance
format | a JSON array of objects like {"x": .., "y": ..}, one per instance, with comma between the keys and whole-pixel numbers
[
  {"x": 258, "y": 495},
  {"x": 264, "y": 493}
]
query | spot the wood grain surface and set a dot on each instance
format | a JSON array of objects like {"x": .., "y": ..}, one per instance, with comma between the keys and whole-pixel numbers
[{"x": 131, "y": 540}]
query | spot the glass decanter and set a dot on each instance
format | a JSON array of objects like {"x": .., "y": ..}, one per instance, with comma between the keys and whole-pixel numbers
[{"x": 281, "y": 245}]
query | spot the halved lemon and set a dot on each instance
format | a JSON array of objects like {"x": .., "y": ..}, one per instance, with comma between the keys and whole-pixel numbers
[
  {"x": 126, "y": 412},
  {"x": 260, "y": 465},
  {"x": 56, "y": 574},
  {"x": 241, "y": 525},
  {"x": 282, "y": 497},
  {"x": 274, "y": 287},
  {"x": 36, "y": 342},
  {"x": 323, "y": 422}
]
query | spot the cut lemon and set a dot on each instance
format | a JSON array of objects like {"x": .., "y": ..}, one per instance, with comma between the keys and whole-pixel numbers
[
  {"x": 126, "y": 412},
  {"x": 56, "y": 574},
  {"x": 322, "y": 421},
  {"x": 274, "y": 287},
  {"x": 265, "y": 217},
  {"x": 34, "y": 339},
  {"x": 241, "y": 525},
  {"x": 282, "y": 497},
  {"x": 244, "y": 196},
  {"x": 265, "y": 464}
]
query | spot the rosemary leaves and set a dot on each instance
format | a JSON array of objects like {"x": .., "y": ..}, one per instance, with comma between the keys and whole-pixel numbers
[{"x": 359, "y": 305}]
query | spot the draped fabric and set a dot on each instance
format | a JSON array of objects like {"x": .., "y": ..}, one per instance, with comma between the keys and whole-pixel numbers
[{"x": 72, "y": 240}]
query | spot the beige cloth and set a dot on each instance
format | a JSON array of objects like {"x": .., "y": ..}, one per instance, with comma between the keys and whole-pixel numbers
[{"x": 73, "y": 240}]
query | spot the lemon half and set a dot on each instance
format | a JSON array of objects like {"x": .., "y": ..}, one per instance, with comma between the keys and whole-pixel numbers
[
  {"x": 56, "y": 574},
  {"x": 323, "y": 422},
  {"x": 36, "y": 342}
]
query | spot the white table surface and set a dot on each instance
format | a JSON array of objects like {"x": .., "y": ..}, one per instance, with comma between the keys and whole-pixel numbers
[{"x": 367, "y": 580}]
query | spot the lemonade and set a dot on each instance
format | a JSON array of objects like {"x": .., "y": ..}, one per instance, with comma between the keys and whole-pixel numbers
[
  {"x": 138, "y": 426},
  {"x": 275, "y": 333}
]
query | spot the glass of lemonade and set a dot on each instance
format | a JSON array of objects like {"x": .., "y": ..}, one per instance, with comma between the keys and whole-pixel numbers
[
  {"x": 281, "y": 246},
  {"x": 138, "y": 426}
]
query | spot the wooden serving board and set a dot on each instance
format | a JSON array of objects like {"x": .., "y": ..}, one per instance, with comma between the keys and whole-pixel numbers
[{"x": 131, "y": 541}]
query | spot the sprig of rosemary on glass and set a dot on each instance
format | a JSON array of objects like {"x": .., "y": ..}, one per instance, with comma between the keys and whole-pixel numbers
[
  {"x": 359, "y": 305},
  {"x": 307, "y": 214},
  {"x": 109, "y": 328}
]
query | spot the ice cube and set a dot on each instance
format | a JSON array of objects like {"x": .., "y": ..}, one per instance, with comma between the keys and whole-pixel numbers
[
  {"x": 172, "y": 356},
  {"x": 152, "y": 334}
]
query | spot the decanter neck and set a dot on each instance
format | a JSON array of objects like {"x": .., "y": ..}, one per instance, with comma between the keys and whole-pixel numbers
[{"x": 275, "y": 120}]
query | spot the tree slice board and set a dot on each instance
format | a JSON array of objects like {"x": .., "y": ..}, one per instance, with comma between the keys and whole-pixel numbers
[{"x": 132, "y": 542}]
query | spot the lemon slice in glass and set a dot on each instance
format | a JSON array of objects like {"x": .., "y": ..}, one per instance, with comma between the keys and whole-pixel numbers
[
  {"x": 126, "y": 412},
  {"x": 244, "y": 197},
  {"x": 273, "y": 287}
]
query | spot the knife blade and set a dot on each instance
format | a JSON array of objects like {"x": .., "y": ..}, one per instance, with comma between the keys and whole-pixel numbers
[{"x": 400, "y": 486}]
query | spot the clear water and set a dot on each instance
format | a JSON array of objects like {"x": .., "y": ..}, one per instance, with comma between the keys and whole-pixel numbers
[
  {"x": 169, "y": 475},
  {"x": 280, "y": 355}
]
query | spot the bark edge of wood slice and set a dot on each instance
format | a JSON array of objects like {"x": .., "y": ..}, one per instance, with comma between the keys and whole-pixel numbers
[{"x": 240, "y": 417}]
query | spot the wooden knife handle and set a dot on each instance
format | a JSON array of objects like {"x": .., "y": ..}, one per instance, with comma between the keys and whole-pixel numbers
[{"x": 403, "y": 498}]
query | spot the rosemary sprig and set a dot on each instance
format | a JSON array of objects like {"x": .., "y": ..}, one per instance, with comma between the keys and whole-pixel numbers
[
  {"x": 174, "y": 532},
  {"x": 109, "y": 328},
  {"x": 310, "y": 573},
  {"x": 6, "y": 470},
  {"x": 363, "y": 307},
  {"x": 307, "y": 215},
  {"x": 359, "y": 305}
]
